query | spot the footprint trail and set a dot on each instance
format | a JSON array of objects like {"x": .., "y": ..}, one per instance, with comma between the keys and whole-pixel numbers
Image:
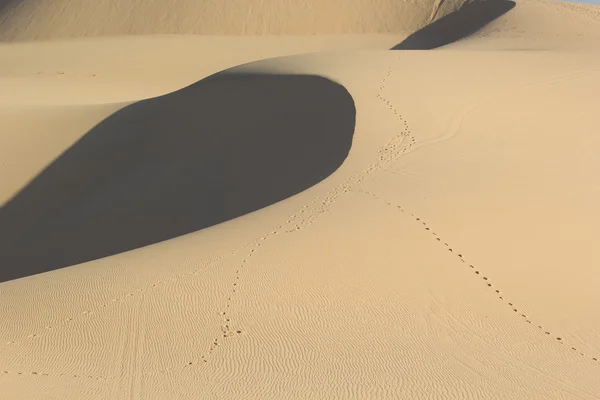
[{"x": 477, "y": 271}]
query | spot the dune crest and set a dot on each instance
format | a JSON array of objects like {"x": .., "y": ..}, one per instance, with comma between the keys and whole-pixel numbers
[
  {"x": 160, "y": 168},
  {"x": 51, "y": 19},
  {"x": 353, "y": 223}
]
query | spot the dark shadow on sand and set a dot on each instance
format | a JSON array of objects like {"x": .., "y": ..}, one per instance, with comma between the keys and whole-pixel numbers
[
  {"x": 5, "y": 3},
  {"x": 453, "y": 27},
  {"x": 160, "y": 168}
]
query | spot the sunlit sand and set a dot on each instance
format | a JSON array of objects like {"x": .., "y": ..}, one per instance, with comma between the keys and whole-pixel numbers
[{"x": 281, "y": 200}]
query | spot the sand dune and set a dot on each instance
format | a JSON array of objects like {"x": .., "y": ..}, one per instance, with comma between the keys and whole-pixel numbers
[
  {"x": 112, "y": 70},
  {"x": 357, "y": 223},
  {"x": 456, "y": 25},
  {"x": 44, "y": 19},
  {"x": 164, "y": 167},
  {"x": 541, "y": 25}
]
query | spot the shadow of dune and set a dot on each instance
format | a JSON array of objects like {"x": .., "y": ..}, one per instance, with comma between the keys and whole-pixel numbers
[
  {"x": 6, "y": 3},
  {"x": 160, "y": 168},
  {"x": 457, "y": 25}
]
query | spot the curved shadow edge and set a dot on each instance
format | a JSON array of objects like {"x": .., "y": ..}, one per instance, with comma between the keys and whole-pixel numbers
[
  {"x": 160, "y": 168},
  {"x": 457, "y": 25}
]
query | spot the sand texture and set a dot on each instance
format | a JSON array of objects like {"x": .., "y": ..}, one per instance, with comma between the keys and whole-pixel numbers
[
  {"x": 382, "y": 213},
  {"x": 45, "y": 19}
]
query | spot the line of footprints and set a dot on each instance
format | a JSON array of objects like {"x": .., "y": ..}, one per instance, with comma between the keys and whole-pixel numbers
[
  {"x": 61, "y": 375},
  {"x": 298, "y": 220},
  {"x": 118, "y": 300},
  {"x": 486, "y": 280},
  {"x": 225, "y": 329},
  {"x": 405, "y": 133},
  {"x": 386, "y": 155},
  {"x": 66, "y": 322}
]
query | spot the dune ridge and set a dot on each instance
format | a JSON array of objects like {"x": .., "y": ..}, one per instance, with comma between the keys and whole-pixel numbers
[
  {"x": 541, "y": 25},
  {"x": 436, "y": 237},
  {"x": 161, "y": 168},
  {"x": 456, "y": 25},
  {"x": 40, "y": 19}
]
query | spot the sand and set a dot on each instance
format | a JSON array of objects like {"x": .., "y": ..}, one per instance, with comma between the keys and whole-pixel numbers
[
  {"x": 223, "y": 217},
  {"x": 43, "y": 19}
]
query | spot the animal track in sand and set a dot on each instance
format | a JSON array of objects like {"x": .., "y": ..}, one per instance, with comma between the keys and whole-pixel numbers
[
  {"x": 66, "y": 322},
  {"x": 86, "y": 313},
  {"x": 307, "y": 215},
  {"x": 477, "y": 272},
  {"x": 311, "y": 212},
  {"x": 401, "y": 142},
  {"x": 55, "y": 375},
  {"x": 225, "y": 329}
]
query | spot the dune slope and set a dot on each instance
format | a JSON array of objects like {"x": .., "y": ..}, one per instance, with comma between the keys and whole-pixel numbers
[
  {"x": 43, "y": 19},
  {"x": 164, "y": 167},
  {"x": 451, "y": 255},
  {"x": 541, "y": 25}
]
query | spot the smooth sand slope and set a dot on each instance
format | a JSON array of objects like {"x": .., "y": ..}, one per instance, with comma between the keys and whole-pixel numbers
[
  {"x": 542, "y": 25},
  {"x": 44, "y": 19},
  {"x": 425, "y": 221}
]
